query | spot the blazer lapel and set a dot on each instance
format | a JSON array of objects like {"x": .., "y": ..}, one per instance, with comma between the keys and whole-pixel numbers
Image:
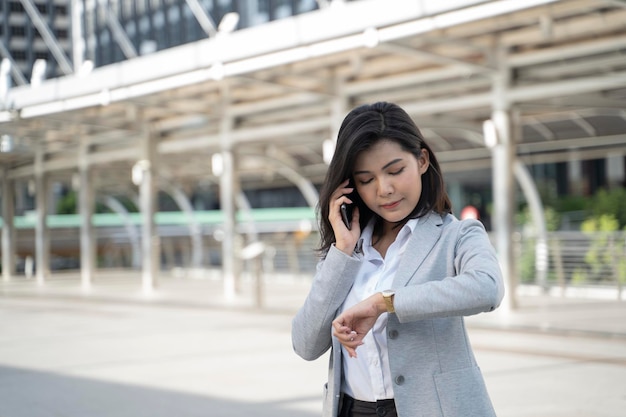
[{"x": 427, "y": 232}]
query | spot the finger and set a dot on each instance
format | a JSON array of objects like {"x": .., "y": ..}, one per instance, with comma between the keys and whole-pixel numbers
[
  {"x": 342, "y": 190},
  {"x": 351, "y": 352},
  {"x": 351, "y": 348},
  {"x": 344, "y": 333}
]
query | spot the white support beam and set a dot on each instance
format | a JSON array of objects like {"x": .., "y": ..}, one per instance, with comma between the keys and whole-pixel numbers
[
  {"x": 539, "y": 91},
  {"x": 245, "y": 135},
  {"x": 469, "y": 67}
]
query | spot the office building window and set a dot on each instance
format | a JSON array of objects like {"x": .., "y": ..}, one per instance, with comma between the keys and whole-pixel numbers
[{"x": 17, "y": 31}]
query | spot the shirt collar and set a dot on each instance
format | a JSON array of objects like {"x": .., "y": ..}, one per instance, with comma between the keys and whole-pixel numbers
[{"x": 364, "y": 244}]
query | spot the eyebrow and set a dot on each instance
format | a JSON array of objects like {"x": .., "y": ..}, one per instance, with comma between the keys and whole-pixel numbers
[{"x": 387, "y": 165}]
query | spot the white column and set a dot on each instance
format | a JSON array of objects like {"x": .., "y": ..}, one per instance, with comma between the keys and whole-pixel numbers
[
  {"x": 86, "y": 203},
  {"x": 42, "y": 234},
  {"x": 227, "y": 206},
  {"x": 615, "y": 169},
  {"x": 150, "y": 244},
  {"x": 78, "y": 44},
  {"x": 503, "y": 159},
  {"x": 576, "y": 182},
  {"x": 8, "y": 228}
]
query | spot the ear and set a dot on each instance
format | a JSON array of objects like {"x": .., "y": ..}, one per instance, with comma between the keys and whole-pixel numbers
[{"x": 423, "y": 162}]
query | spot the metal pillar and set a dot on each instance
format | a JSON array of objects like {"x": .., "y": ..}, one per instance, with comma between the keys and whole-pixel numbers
[
  {"x": 146, "y": 170},
  {"x": 86, "y": 202},
  {"x": 8, "y": 228},
  {"x": 42, "y": 234},
  {"x": 503, "y": 159},
  {"x": 227, "y": 204}
]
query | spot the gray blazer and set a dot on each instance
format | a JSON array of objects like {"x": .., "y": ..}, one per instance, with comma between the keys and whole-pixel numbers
[{"x": 449, "y": 270}]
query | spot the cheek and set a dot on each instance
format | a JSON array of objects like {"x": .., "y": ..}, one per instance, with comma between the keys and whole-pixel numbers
[{"x": 365, "y": 193}]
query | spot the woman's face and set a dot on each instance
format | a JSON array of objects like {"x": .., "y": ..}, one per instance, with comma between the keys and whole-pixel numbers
[{"x": 389, "y": 179}]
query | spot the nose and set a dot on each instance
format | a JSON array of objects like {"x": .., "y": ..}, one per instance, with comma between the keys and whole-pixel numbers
[{"x": 385, "y": 187}]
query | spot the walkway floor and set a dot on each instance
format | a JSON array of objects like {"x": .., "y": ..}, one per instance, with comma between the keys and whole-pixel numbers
[{"x": 113, "y": 351}]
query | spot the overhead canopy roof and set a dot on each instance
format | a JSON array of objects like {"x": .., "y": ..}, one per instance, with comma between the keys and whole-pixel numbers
[{"x": 286, "y": 85}]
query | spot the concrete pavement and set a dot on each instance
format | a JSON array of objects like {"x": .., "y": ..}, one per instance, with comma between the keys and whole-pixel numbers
[{"x": 183, "y": 350}]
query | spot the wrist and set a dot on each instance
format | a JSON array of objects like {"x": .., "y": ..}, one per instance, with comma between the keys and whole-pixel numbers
[{"x": 388, "y": 300}]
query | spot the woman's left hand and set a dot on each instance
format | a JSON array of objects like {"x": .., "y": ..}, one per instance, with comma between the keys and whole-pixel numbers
[{"x": 351, "y": 326}]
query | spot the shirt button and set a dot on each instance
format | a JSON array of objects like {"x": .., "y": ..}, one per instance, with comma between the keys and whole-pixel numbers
[
  {"x": 393, "y": 334},
  {"x": 399, "y": 380}
]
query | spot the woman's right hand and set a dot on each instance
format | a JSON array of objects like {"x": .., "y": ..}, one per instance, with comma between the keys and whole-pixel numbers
[{"x": 345, "y": 239}]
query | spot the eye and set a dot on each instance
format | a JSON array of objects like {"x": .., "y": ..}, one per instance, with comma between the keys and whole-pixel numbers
[
  {"x": 398, "y": 172},
  {"x": 365, "y": 182}
]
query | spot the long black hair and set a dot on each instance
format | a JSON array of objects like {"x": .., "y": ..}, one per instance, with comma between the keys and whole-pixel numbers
[{"x": 363, "y": 127}]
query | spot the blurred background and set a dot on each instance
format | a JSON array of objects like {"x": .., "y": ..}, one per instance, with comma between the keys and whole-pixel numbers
[
  {"x": 178, "y": 146},
  {"x": 173, "y": 134}
]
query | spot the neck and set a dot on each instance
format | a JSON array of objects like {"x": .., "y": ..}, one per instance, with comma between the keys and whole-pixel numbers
[{"x": 388, "y": 230}]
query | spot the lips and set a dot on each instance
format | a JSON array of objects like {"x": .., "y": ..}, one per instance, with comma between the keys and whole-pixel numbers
[{"x": 391, "y": 206}]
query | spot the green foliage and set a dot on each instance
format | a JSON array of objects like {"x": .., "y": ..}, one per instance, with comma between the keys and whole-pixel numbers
[
  {"x": 579, "y": 276},
  {"x": 601, "y": 223},
  {"x": 67, "y": 204},
  {"x": 605, "y": 255},
  {"x": 527, "y": 269},
  {"x": 523, "y": 219},
  {"x": 609, "y": 202},
  {"x": 570, "y": 203}
]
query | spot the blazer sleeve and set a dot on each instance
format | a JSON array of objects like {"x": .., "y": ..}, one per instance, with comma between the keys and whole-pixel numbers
[
  {"x": 311, "y": 326},
  {"x": 462, "y": 277}
]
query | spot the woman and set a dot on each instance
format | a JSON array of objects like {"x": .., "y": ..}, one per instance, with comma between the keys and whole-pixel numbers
[{"x": 395, "y": 281}]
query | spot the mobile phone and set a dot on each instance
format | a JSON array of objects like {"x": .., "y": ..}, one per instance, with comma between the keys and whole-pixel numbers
[{"x": 346, "y": 215}]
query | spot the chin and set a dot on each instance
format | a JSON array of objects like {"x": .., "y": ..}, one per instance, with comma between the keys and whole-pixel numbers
[{"x": 395, "y": 218}]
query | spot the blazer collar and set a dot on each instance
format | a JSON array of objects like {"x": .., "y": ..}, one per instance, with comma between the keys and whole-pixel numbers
[{"x": 426, "y": 234}]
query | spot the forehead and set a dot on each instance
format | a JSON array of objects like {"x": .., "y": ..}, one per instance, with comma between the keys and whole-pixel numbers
[{"x": 379, "y": 154}]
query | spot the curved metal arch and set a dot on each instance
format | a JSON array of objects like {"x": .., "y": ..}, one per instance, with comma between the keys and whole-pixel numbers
[
  {"x": 133, "y": 235},
  {"x": 306, "y": 187},
  {"x": 195, "y": 230}
]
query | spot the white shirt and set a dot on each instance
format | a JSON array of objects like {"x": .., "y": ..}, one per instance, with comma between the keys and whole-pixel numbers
[{"x": 367, "y": 377}]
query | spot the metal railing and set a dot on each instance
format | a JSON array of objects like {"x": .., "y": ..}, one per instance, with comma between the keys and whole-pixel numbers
[{"x": 573, "y": 259}]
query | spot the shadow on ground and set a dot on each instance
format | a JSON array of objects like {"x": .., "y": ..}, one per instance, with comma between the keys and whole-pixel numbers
[{"x": 27, "y": 393}]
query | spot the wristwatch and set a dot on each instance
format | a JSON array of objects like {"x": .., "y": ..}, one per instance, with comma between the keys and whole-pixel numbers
[{"x": 388, "y": 296}]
